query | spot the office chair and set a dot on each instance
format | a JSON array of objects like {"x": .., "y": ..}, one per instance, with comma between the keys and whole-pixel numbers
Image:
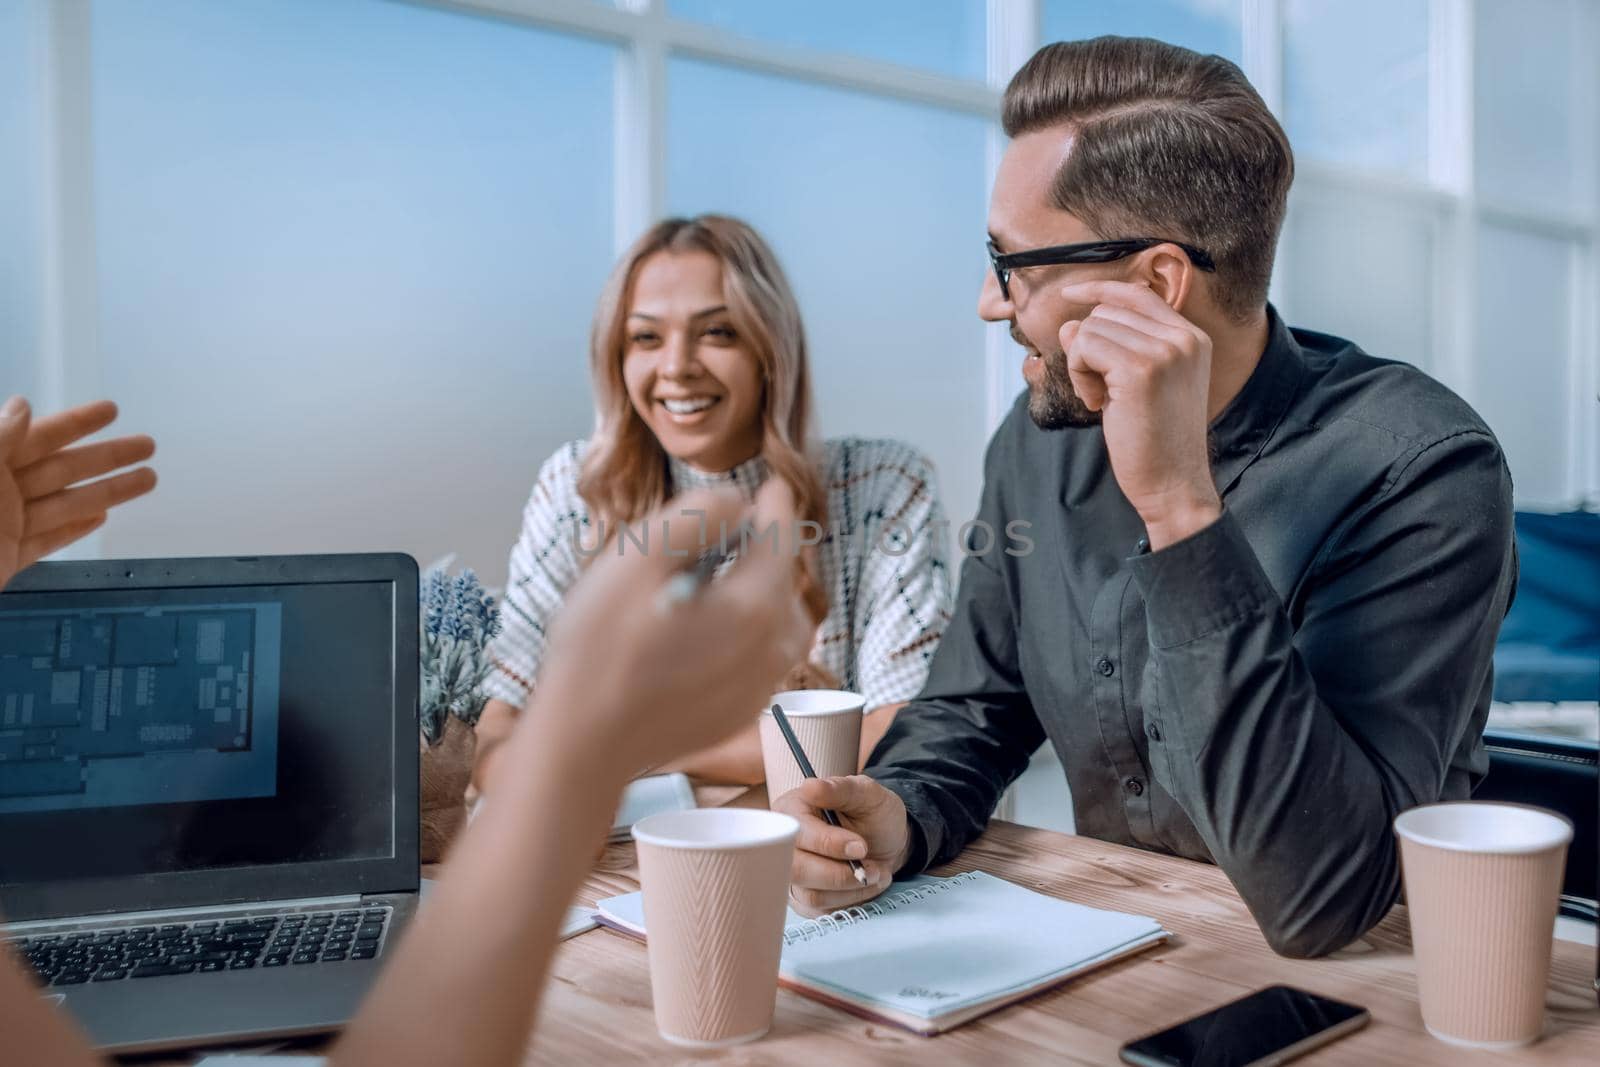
[{"x": 1563, "y": 776}]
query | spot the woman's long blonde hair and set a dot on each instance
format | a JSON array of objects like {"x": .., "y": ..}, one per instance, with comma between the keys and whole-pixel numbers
[{"x": 625, "y": 474}]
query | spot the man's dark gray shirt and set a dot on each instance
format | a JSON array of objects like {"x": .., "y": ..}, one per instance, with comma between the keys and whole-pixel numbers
[{"x": 1266, "y": 694}]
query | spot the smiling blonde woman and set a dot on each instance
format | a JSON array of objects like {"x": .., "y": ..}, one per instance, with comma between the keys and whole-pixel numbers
[{"x": 698, "y": 358}]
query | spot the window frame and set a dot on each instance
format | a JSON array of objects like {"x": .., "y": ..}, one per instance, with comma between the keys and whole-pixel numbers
[{"x": 647, "y": 35}]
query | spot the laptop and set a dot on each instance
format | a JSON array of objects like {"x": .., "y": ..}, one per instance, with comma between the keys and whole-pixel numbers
[{"x": 208, "y": 790}]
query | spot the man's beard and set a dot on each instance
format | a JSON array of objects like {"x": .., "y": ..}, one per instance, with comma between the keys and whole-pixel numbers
[{"x": 1053, "y": 403}]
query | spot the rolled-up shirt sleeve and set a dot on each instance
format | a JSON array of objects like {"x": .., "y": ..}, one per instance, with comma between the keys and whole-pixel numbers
[{"x": 1292, "y": 746}]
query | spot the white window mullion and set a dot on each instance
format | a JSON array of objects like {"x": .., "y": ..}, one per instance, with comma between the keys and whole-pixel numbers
[
  {"x": 1262, "y": 29},
  {"x": 1013, "y": 36},
  {"x": 70, "y": 349},
  {"x": 1584, "y": 439},
  {"x": 1451, "y": 167},
  {"x": 639, "y": 181},
  {"x": 1583, "y": 381},
  {"x": 1450, "y": 139},
  {"x": 70, "y": 344},
  {"x": 72, "y": 324}
]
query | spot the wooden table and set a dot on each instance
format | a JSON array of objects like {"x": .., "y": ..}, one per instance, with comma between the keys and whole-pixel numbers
[{"x": 597, "y": 1008}]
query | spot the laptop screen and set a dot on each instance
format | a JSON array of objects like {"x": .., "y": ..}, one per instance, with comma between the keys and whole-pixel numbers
[{"x": 194, "y": 730}]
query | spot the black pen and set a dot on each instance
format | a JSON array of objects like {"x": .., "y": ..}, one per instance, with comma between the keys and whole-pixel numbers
[{"x": 806, "y": 769}]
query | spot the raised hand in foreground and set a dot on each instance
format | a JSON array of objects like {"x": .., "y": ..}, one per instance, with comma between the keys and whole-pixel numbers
[{"x": 43, "y": 506}]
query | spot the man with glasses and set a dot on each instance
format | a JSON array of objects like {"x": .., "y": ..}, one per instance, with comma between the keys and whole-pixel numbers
[{"x": 1268, "y": 568}]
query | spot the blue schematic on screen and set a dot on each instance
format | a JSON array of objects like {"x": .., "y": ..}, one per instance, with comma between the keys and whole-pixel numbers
[{"x": 165, "y": 705}]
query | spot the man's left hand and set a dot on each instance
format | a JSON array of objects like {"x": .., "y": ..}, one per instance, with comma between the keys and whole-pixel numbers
[{"x": 1147, "y": 370}]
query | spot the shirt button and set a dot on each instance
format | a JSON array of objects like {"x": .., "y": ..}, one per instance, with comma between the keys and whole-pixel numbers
[
  {"x": 1143, "y": 546},
  {"x": 1134, "y": 786},
  {"x": 1105, "y": 666},
  {"x": 1152, "y": 731}
]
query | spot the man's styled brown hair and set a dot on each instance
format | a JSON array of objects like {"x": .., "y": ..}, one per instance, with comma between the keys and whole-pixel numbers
[{"x": 1166, "y": 143}]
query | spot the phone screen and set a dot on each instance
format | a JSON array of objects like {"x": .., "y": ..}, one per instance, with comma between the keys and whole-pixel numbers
[{"x": 1264, "y": 1026}]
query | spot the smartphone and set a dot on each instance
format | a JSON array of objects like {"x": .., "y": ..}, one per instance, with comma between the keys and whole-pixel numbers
[{"x": 1270, "y": 1026}]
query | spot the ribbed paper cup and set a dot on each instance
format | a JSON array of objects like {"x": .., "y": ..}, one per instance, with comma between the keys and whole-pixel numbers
[
  {"x": 716, "y": 885},
  {"x": 828, "y": 724},
  {"x": 1483, "y": 882}
]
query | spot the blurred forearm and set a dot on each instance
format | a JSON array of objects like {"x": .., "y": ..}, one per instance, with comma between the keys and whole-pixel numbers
[
  {"x": 736, "y": 761},
  {"x": 494, "y": 728},
  {"x": 486, "y": 937}
]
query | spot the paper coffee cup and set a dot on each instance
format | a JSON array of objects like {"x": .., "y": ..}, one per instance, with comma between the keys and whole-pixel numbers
[
  {"x": 828, "y": 724},
  {"x": 716, "y": 887},
  {"x": 1483, "y": 882}
]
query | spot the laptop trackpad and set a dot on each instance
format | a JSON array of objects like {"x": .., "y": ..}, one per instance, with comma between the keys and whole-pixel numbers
[{"x": 185, "y": 1011}]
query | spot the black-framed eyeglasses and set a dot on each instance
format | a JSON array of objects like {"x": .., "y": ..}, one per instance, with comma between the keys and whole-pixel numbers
[{"x": 1087, "y": 252}]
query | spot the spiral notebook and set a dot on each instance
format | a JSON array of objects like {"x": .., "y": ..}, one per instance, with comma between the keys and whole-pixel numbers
[{"x": 934, "y": 953}]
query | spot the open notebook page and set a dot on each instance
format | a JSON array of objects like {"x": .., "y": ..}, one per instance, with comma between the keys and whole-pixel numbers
[
  {"x": 936, "y": 947},
  {"x": 965, "y": 941}
]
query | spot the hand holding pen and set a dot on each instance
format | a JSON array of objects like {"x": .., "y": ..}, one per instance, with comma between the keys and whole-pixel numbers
[{"x": 806, "y": 769}]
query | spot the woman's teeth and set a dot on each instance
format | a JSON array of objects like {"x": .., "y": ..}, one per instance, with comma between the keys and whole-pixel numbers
[{"x": 689, "y": 407}]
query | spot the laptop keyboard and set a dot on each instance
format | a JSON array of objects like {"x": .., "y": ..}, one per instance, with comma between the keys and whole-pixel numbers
[{"x": 290, "y": 939}]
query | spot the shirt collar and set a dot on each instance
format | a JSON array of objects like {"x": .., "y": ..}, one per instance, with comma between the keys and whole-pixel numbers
[
  {"x": 746, "y": 477},
  {"x": 1242, "y": 430}
]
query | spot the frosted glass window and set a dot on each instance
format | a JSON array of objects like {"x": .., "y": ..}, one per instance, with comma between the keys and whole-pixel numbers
[
  {"x": 1210, "y": 26},
  {"x": 1355, "y": 83},
  {"x": 876, "y": 208},
  {"x": 1523, "y": 352},
  {"x": 347, "y": 257},
  {"x": 1529, "y": 102},
  {"x": 944, "y": 36},
  {"x": 21, "y": 71},
  {"x": 1362, "y": 269}
]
